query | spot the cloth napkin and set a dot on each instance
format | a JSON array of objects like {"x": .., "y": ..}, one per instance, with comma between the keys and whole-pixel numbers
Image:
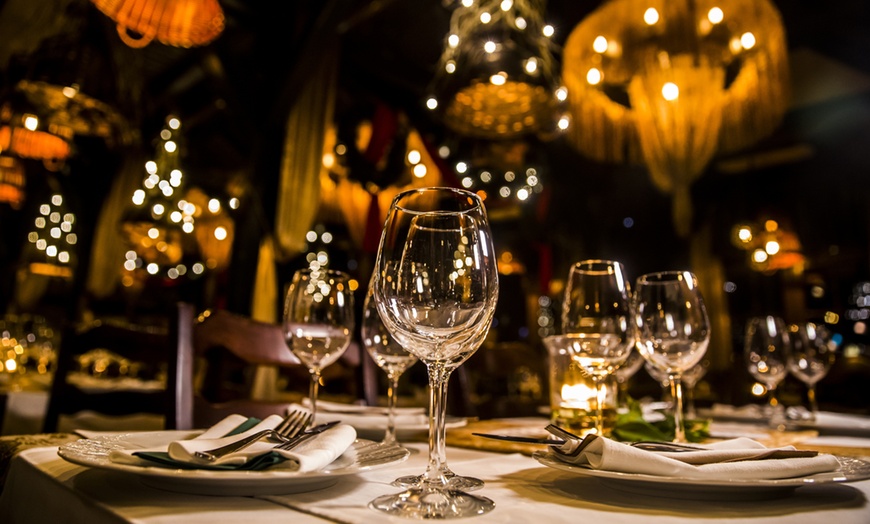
[
  {"x": 366, "y": 417},
  {"x": 311, "y": 455},
  {"x": 735, "y": 459}
]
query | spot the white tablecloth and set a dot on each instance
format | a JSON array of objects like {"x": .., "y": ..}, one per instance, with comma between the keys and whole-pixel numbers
[{"x": 42, "y": 487}]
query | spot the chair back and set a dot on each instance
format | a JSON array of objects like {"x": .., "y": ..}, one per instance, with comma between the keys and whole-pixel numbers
[
  {"x": 228, "y": 350},
  {"x": 117, "y": 368}
]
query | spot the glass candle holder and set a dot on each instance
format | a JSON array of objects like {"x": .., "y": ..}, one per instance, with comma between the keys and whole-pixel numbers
[{"x": 572, "y": 396}]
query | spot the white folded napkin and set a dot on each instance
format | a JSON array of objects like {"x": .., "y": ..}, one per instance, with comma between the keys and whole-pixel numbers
[
  {"x": 735, "y": 459},
  {"x": 311, "y": 455}
]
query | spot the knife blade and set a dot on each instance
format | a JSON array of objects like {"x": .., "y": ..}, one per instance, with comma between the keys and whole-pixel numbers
[{"x": 527, "y": 440}]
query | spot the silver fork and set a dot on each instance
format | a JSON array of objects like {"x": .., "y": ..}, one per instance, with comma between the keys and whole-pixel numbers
[{"x": 286, "y": 430}]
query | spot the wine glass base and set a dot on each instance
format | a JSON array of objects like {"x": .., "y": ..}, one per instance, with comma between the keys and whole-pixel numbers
[
  {"x": 431, "y": 503},
  {"x": 454, "y": 481}
]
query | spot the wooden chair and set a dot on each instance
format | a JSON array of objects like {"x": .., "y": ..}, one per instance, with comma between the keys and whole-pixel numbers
[
  {"x": 116, "y": 349},
  {"x": 227, "y": 349}
]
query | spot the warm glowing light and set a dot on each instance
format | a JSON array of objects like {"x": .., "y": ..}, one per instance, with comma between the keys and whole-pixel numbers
[
  {"x": 771, "y": 225},
  {"x": 498, "y": 79},
  {"x": 599, "y": 45},
  {"x": 651, "y": 16},
  {"x": 170, "y": 146},
  {"x": 489, "y": 46},
  {"x": 420, "y": 171},
  {"x": 453, "y": 40},
  {"x": 715, "y": 15},
  {"x": 461, "y": 167},
  {"x": 548, "y": 31},
  {"x": 759, "y": 256},
  {"x": 744, "y": 234},
  {"x": 593, "y": 76},
  {"x": 220, "y": 233},
  {"x": 758, "y": 389},
  {"x": 432, "y": 103},
  {"x": 670, "y": 91},
  {"x": 414, "y": 156},
  {"x": 771, "y": 247},
  {"x": 747, "y": 40},
  {"x": 531, "y": 65}
]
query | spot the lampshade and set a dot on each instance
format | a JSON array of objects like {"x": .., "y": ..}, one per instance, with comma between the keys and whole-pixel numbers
[
  {"x": 496, "y": 76},
  {"x": 670, "y": 84},
  {"x": 12, "y": 181},
  {"x": 178, "y": 23}
]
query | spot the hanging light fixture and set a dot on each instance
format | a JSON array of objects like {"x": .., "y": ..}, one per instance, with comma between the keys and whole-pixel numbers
[
  {"x": 26, "y": 132},
  {"x": 12, "y": 181},
  {"x": 496, "y": 75},
  {"x": 671, "y": 83},
  {"x": 178, "y": 23}
]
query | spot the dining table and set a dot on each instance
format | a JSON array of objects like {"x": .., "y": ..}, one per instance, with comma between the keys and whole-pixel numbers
[{"x": 41, "y": 486}]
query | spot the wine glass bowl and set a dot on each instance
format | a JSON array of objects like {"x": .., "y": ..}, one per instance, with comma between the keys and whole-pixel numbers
[
  {"x": 765, "y": 349},
  {"x": 673, "y": 329},
  {"x": 435, "y": 288},
  {"x": 809, "y": 357},
  {"x": 596, "y": 313},
  {"x": 318, "y": 321}
]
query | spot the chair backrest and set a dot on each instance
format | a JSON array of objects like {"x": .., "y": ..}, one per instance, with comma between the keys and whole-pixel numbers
[
  {"x": 115, "y": 368},
  {"x": 227, "y": 349}
]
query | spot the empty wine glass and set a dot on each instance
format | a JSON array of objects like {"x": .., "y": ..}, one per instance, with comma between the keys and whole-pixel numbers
[
  {"x": 318, "y": 321},
  {"x": 766, "y": 345},
  {"x": 389, "y": 355},
  {"x": 436, "y": 287},
  {"x": 810, "y": 357},
  {"x": 690, "y": 379},
  {"x": 673, "y": 329},
  {"x": 596, "y": 314}
]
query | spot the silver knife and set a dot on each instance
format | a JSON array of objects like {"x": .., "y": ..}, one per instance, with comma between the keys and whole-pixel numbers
[{"x": 527, "y": 440}]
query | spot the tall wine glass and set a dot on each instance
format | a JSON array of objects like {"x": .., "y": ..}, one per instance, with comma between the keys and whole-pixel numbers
[
  {"x": 436, "y": 288},
  {"x": 810, "y": 357},
  {"x": 765, "y": 348},
  {"x": 596, "y": 316},
  {"x": 318, "y": 321},
  {"x": 689, "y": 380},
  {"x": 673, "y": 329},
  {"x": 389, "y": 355}
]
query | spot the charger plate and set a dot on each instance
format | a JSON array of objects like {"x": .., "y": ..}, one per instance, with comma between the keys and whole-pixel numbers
[
  {"x": 851, "y": 469},
  {"x": 364, "y": 455}
]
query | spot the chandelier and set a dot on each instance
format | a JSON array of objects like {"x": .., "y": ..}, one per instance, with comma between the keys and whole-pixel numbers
[
  {"x": 496, "y": 77},
  {"x": 669, "y": 84},
  {"x": 178, "y": 23}
]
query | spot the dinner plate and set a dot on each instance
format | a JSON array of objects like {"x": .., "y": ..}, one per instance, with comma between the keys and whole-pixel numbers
[
  {"x": 94, "y": 453},
  {"x": 851, "y": 470}
]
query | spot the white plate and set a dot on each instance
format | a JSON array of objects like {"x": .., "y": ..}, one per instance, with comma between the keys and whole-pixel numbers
[
  {"x": 851, "y": 469},
  {"x": 95, "y": 453}
]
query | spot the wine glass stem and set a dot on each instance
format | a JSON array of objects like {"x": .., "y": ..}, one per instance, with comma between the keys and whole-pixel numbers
[
  {"x": 811, "y": 396},
  {"x": 599, "y": 405},
  {"x": 312, "y": 393},
  {"x": 438, "y": 378},
  {"x": 690, "y": 403},
  {"x": 677, "y": 394},
  {"x": 390, "y": 435}
]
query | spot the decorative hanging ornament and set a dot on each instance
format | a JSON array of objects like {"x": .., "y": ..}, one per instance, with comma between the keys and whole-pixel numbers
[
  {"x": 178, "y": 23},
  {"x": 671, "y": 83}
]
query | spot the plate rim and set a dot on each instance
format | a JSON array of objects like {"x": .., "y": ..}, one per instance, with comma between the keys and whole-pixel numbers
[
  {"x": 546, "y": 458},
  {"x": 190, "y": 476}
]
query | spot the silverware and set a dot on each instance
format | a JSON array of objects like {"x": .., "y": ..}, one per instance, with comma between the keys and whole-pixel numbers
[
  {"x": 528, "y": 440},
  {"x": 306, "y": 435},
  {"x": 292, "y": 425}
]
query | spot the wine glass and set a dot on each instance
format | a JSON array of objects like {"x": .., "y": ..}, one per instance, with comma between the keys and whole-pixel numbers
[
  {"x": 436, "y": 287},
  {"x": 318, "y": 321},
  {"x": 689, "y": 380},
  {"x": 765, "y": 348},
  {"x": 389, "y": 355},
  {"x": 673, "y": 329},
  {"x": 596, "y": 314},
  {"x": 810, "y": 357}
]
